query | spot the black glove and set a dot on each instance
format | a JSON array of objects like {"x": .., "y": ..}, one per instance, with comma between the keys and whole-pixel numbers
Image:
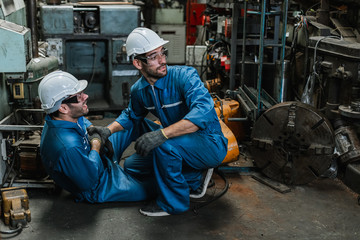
[
  {"x": 110, "y": 150},
  {"x": 149, "y": 141},
  {"x": 102, "y": 133},
  {"x": 95, "y": 136}
]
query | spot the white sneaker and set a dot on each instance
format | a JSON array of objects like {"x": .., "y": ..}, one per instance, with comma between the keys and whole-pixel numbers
[{"x": 153, "y": 210}]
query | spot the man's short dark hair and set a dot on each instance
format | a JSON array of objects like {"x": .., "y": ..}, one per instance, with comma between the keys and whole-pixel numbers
[{"x": 54, "y": 114}]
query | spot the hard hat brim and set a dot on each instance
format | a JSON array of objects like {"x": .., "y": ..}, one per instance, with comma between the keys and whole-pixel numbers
[{"x": 82, "y": 85}]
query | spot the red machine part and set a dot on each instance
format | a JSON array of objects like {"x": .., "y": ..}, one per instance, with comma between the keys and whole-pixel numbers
[
  {"x": 228, "y": 26},
  {"x": 194, "y": 17}
]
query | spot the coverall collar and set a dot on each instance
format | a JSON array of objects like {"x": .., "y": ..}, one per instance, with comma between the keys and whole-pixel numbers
[
  {"x": 160, "y": 83},
  {"x": 66, "y": 124}
]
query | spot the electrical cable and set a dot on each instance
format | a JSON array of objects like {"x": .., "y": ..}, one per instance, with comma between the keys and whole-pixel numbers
[
  {"x": 18, "y": 229},
  {"x": 309, "y": 87},
  {"x": 202, "y": 64},
  {"x": 94, "y": 59},
  {"x": 9, "y": 168},
  {"x": 312, "y": 7},
  {"x": 306, "y": 64},
  {"x": 194, "y": 45},
  {"x": 316, "y": 46}
]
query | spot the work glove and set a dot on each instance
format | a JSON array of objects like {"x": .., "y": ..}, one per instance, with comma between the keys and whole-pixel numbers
[
  {"x": 94, "y": 136},
  {"x": 102, "y": 133},
  {"x": 149, "y": 141},
  {"x": 109, "y": 147}
]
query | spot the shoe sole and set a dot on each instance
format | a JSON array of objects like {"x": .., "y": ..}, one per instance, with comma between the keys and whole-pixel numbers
[
  {"x": 154, "y": 214},
  {"x": 206, "y": 183}
]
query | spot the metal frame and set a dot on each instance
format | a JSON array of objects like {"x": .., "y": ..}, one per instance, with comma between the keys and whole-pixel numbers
[
  {"x": 262, "y": 42},
  {"x": 10, "y": 124}
]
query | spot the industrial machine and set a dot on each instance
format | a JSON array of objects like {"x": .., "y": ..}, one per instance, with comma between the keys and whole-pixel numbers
[
  {"x": 284, "y": 76},
  {"x": 23, "y": 63},
  {"x": 88, "y": 39},
  {"x": 84, "y": 39},
  {"x": 295, "y": 76},
  {"x": 15, "y": 207}
]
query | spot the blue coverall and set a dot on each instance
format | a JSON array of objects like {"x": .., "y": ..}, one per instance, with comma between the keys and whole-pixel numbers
[
  {"x": 179, "y": 162},
  {"x": 68, "y": 159}
]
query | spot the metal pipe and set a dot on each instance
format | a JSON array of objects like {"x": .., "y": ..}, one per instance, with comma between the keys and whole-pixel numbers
[
  {"x": 243, "y": 46},
  {"x": 235, "y": 14},
  {"x": 283, "y": 42},
  {"x": 20, "y": 127},
  {"x": 33, "y": 27},
  {"x": 238, "y": 119},
  {"x": 261, "y": 56}
]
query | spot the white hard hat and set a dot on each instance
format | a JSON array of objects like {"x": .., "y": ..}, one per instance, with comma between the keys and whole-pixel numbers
[
  {"x": 57, "y": 86},
  {"x": 142, "y": 40}
]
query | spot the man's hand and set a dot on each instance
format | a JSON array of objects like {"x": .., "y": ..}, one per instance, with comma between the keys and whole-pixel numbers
[
  {"x": 95, "y": 141},
  {"x": 102, "y": 133},
  {"x": 149, "y": 141}
]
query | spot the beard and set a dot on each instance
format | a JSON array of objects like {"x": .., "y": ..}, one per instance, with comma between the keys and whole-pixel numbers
[
  {"x": 157, "y": 73},
  {"x": 78, "y": 110}
]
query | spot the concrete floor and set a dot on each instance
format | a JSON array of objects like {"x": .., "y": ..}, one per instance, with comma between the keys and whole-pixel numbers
[{"x": 322, "y": 209}]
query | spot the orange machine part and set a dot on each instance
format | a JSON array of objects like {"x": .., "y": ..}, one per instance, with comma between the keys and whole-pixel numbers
[
  {"x": 233, "y": 148},
  {"x": 230, "y": 109},
  {"x": 233, "y": 131}
]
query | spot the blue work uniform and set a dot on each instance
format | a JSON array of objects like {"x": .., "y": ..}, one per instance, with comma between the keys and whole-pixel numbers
[
  {"x": 68, "y": 159},
  {"x": 179, "y": 162}
]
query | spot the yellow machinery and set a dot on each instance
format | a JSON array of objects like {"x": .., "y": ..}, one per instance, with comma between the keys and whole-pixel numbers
[{"x": 15, "y": 207}]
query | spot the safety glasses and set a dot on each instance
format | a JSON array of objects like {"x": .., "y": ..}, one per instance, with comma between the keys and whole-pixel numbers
[
  {"x": 153, "y": 57},
  {"x": 74, "y": 98}
]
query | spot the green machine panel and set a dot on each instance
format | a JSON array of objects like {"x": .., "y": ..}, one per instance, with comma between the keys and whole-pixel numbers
[
  {"x": 13, "y": 11},
  {"x": 57, "y": 19},
  {"x": 119, "y": 20},
  {"x": 15, "y": 47},
  {"x": 87, "y": 60},
  {"x": 123, "y": 77},
  {"x": 118, "y": 51}
]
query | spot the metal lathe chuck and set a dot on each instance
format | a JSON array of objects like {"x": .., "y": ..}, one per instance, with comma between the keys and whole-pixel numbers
[{"x": 292, "y": 143}]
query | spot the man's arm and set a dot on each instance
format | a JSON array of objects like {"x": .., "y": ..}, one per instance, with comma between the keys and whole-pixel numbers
[
  {"x": 153, "y": 139},
  {"x": 115, "y": 127},
  {"x": 180, "y": 128},
  {"x": 82, "y": 167}
]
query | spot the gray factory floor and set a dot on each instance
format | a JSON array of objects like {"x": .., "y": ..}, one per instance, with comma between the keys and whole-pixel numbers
[{"x": 322, "y": 209}]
